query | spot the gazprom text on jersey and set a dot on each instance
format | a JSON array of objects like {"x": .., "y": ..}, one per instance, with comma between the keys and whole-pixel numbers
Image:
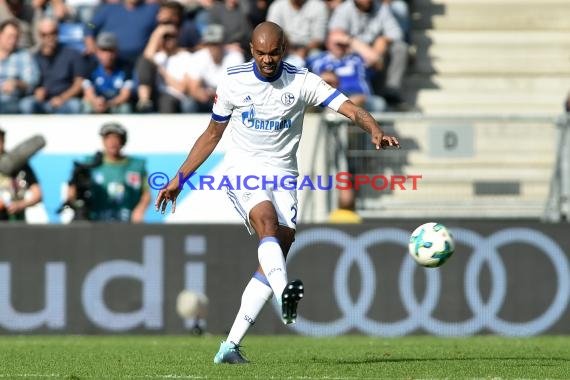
[{"x": 269, "y": 125}]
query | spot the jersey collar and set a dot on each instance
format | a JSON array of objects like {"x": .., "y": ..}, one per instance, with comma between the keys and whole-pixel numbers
[{"x": 268, "y": 79}]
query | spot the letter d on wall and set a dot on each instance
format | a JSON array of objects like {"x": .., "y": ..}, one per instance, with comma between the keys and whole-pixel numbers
[
  {"x": 451, "y": 141},
  {"x": 149, "y": 273}
]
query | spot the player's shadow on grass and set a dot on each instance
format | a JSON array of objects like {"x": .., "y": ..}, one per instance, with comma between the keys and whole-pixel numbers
[{"x": 388, "y": 359}]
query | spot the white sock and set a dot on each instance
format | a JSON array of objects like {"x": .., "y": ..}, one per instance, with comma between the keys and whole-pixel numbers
[
  {"x": 273, "y": 264},
  {"x": 256, "y": 294}
]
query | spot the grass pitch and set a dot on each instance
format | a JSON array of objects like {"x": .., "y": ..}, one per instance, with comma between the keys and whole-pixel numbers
[{"x": 282, "y": 357}]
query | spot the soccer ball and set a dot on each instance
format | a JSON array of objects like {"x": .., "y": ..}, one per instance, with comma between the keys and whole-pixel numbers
[
  {"x": 431, "y": 244},
  {"x": 191, "y": 305}
]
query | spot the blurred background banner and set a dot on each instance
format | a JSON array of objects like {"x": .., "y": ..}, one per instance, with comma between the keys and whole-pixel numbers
[{"x": 506, "y": 277}]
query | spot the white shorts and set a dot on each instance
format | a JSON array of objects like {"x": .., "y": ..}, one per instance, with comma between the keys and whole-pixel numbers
[{"x": 284, "y": 201}]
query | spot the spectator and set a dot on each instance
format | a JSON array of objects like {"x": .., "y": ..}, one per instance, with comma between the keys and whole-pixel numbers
[
  {"x": 107, "y": 89},
  {"x": 19, "y": 72},
  {"x": 82, "y": 11},
  {"x": 18, "y": 190},
  {"x": 163, "y": 73},
  {"x": 332, "y": 4},
  {"x": 208, "y": 67},
  {"x": 374, "y": 33},
  {"x": 346, "y": 71},
  {"x": 345, "y": 212},
  {"x": 172, "y": 12},
  {"x": 132, "y": 21},
  {"x": 62, "y": 73},
  {"x": 401, "y": 11},
  {"x": 55, "y": 9},
  {"x": 25, "y": 16},
  {"x": 199, "y": 12},
  {"x": 116, "y": 187},
  {"x": 305, "y": 25},
  {"x": 237, "y": 29},
  {"x": 256, "y": 10}
]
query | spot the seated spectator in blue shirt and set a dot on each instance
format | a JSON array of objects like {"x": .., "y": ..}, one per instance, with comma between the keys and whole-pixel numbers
[
  {"x": 107, "y": 88},
  {"x": 132, "y": 21},
  {"x": 19, "y": 73},
  {"x": 62, "y": 74},
  {"x": 347, "y": 71}
]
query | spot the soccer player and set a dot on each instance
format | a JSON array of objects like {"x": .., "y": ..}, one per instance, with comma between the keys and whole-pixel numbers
[{"x": 263, "y": 102}]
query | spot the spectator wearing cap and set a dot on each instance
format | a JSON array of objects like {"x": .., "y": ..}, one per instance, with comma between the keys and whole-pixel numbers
[
  {"x": 132, "y": 21},
  {"x": 118, "y": 190},
  {"x": 18, "y": 190},
  {"x": 163, "y": 73},
  {"x": 62, "y": 73},
  {"x": 19, "y": 72},
  {"x": 208, "y": 66},
  {"x": 107, "y": 88}
]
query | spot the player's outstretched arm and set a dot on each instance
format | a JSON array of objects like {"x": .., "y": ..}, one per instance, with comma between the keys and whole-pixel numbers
[
  {"x": 201, "y": 150},
  {"x": 364, "y": 120}
]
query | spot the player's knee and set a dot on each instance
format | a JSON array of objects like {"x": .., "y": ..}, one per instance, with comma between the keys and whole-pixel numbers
[
  {"x": 268, "y": 227},
  {"x": 265, "y": 224}
]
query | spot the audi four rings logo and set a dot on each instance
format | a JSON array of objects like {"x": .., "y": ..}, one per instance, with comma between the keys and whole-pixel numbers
[{"x": 420, "y": 312}]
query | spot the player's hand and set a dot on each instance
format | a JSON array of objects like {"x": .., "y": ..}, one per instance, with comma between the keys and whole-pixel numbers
[
  {"x": 16, "y": 207},
  {"x": 137, "y": 216},
  {"x": 168, "y": 194},
  {"x": 8, "y": 86},
  {"x": 381, "y": 141},
  {"x": 388, "y": 141}
]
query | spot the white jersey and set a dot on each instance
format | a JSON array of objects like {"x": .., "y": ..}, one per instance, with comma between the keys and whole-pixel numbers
[{"x": 266, "y": 115}]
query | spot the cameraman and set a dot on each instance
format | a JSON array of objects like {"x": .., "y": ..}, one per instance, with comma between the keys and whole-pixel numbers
[
  {"x": 111, "y": 186},
  {"x": 18, "y": 190}
]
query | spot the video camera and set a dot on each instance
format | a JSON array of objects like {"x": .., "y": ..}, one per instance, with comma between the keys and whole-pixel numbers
[{"x": 82, "y": 181}]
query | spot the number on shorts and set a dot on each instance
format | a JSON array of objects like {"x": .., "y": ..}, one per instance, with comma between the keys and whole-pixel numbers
[{"x": 294, "y": 218}]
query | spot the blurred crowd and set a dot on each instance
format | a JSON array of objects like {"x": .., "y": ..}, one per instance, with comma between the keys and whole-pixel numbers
[{"x": 137, "y": 56}]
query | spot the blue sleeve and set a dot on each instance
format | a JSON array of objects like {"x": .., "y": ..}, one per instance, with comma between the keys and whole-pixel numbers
[{"x": 93, "y": 28}]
